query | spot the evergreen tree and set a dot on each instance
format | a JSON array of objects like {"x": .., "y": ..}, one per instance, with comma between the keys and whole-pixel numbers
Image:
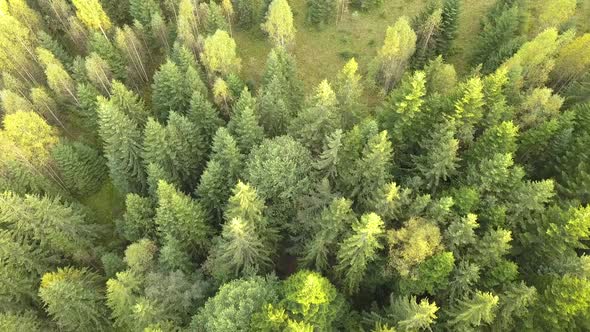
[
  {"x": 243, "y": 124},
  {"x": 221, "y": 174},
  {"x": 274, "y": 110},
  {"x": 129, "y": 102},
  {"x": 180, "y": 217},
  {"x": 279, "y": 23},
  {"x": 111, "y": 55},
  {"x": 448, "y": 27},
  {"x": 407, "y": 314},
  {"x": 475, "y": 311},
  {"x": 349, "y": 91},
  {"x": 428, "y": 28},
  {"x": 328, "y": 161},
  {"x": 138, "y": 221},
  {"x": 144, "y": 11},
  {"x": 358, "y": 250},
  {"x": 320, "y": 12},
  {"x": 122, "y": 148},
  {"x": 469, "y": 109},
  {"x": 205, "y": 118},
  {"x": 318, "y": 119},
  {"x": 81, "y": 167},
  {"x": 216, "y": 20},
  {"x": 171, "y": 93},
  {"x": 441, "y": 158},
  {"x": 73, "y": 298}
]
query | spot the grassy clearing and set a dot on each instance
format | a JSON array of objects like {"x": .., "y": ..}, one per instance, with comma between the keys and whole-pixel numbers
[{"x": 321, "y": 53}]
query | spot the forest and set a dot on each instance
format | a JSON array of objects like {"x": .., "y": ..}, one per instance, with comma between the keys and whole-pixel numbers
[{"x": 294, "y": 165}]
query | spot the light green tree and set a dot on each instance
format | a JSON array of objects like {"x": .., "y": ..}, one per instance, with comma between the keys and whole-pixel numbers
[
  {"x": 279, "y": 23},
  {"x": 219, "y": 54}
]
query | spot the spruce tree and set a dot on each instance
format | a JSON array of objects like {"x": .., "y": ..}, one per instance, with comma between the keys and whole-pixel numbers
[
  {"x": 221, "y": 173},
  {"x": 81, "y": 167},
  {"x": 448, "y": 27},
  {"x": 329, "y": 159},
  {"x": 171, "y": 92},
  {"x": 469, "y": 109},
  {"x": 74, "y": 299},
  {"x": 428, "y": 27},
  {"x": 138, "y": 221},
  {"x": 320, "y": 12},
  {"x": 129, "y": 102},
  {"x": 274, "y": 110},
  {"x": 243, "y": 124},
  {"x": 122, "y": 148},
  {"x": 180, "y": 217},
  {"x": 205, "y": 118},
  {"x": 474, "y": 312},
  {"x": 349, "y": 91},
  {"x": 357, "y": 251}
]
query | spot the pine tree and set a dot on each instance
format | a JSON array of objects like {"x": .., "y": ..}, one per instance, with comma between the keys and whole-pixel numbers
[
  {"x": 279, "y": 170},
  {"x": 501, "y": 138},
  {"x": 243, "y": 124},
  {"x": 221, "y": 173},
  {"x": 219, "y": 54},
  {"x": 216, "y": 20},
  {"x": 281, "y": 65},
  {"x": 171, "y": 92},
  {"x": 249, "y": 12},
  {"x": 398, "y": 47},
  {"x": 514, "y": 305},
  {"x": 180, "y": 217},
  {"x": 73, "y": 298},
  {"x": 144, "y": 10},
  {"x": 358, "y": 250},
  {"x": 279, "y": 23},
  {"x": 474, "y": 312},
  {"x": 81, "y": 167},
  {"x": 122, "y": 148}
]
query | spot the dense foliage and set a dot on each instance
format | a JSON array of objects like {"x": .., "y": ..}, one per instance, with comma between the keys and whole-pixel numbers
[{"x": 148, "y": 184}]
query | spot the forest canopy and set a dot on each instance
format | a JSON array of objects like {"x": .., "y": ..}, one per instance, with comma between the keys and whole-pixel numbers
[{"x": 294, "y": 165}]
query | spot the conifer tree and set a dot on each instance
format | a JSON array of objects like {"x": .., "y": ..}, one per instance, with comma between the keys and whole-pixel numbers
[
  {"x": 474, "y": 312},
  {"x": 281, "y": 65},
  {"x": 216, "y": 20},
  {"x": 180, "y": 217},
  {"x": 515, "y": 305},
  {"x": 221, "y": 173},
  {"x": 171, "y": 92},
  {"x": 73, "y": 298},
  {"x": 320, "y": 12},
  {"x": 469, "y": 109},
  {"x": 205, "y": 118},
  {"x": 138, "y": 221},
  {"x": 349, "y": 91},
  {"x": 358, "y": 250},
  {"x": 81, "y": 167},
  {"x": 99, "y": 72},
  {"x": 427, "y": 27},
  {"x": 440, "y": 160},
  {"x": 110, "y": 54},
  {"x": 128, "y": 102},
  {"x": 144, "y": 10},
  {"x": 448, "y": 27},
  {"x": 274, "y": 109},
  {"x": 243, "y": 124},
  {"x": 501, "y": 138},
  {"x": 135, "y": 51},
  {"x": 332, "y": 223},
  {"x": 328, "y": 161},
  {"x": 279, "y": 23},
  {"x": 440, "y": 77},
  {"x": 499, "y": 38},
  {"x": 317, "y": 120},
  {"x": 279, "y": 170},
  {"x": 122, "y": 148},
  {"x": 398, "y": 47},
  {"x": 219, "y": 54},
  {"x": 410, "y": 315}
]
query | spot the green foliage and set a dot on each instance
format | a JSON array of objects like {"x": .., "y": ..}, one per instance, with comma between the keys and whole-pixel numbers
[
  {"x": 430, "y": 276},
  {"x": 358, "y": 250},
  {"x": 81, "y": 167},
  {"x": 234, "y": 305},
  {"x": 243, "y": 124},
  {"x": 171, "y": 91},
  {"x": 320, "y": 12},
  {"x": 279, "y": 23},
  {"x": 73, "y": 299},
  {"x": 474, "y": 312},
  {"x": 219, "y": 54}
]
